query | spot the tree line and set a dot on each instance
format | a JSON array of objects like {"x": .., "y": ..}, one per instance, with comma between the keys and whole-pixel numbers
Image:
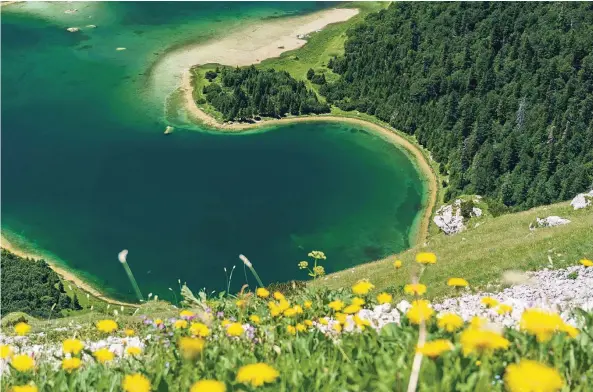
[
  {"x": 500, "y": 93},
  {"x": 247, "y": 93},
  {"x": 32, "y": 287}
]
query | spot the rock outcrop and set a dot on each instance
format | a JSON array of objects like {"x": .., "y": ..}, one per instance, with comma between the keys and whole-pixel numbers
[
  {"x": 582, "y": 200},
  {"x": 449, "y": 218}
]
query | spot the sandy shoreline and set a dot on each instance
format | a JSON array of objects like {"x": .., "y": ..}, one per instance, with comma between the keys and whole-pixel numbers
[
  {"x": 64, "y": 273},
  {"x": 5, "y": 3}
]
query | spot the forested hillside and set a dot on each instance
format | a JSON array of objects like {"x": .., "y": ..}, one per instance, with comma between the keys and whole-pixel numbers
[
  {"x": 244, "y": 93},
  {"x": 500, "y": 93},
  {"x": 32, "y": 287}
]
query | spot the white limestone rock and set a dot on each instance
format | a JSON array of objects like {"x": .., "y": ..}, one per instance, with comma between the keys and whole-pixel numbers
[
  {"x": 551, "y": 221},
  {"x": 448, "y": 218},
  {"x": 582, "y": 200}
]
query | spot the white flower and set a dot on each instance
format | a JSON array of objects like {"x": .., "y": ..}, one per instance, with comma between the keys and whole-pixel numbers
[{"x": 122, "y": 256}]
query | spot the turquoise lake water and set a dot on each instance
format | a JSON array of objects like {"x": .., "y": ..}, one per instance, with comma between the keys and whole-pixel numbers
[{"x": 87, "y": 171}]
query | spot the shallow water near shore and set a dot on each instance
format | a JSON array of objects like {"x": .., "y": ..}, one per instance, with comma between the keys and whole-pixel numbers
[{"x": 87, "y": 171}]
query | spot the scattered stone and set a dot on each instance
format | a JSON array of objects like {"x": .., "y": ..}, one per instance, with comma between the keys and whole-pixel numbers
[
  {"x": 582, "y": 200},
  {"x": 73, "y": 29},
  {"x": 91, "y": 26},
  {"x": 560, "y": 291},
  {"x": 477, "y": 211},
  {"x": 120, "y": 49},
  {"x": 71, "y": 11},
  {"x": 169, "y": 130},
  {"x": 551, "y": 221}
]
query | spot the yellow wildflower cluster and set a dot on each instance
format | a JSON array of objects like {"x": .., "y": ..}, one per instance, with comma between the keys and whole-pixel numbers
[
  {"x": 544, "y": 324},
  {"x": 532, "y": 376},
  {"x": 257, "y": 374},
  {"x": 420, "y": 311},
  {"x": 362, "y": 287},
  {"x": 450, "y": 322},
  {"x": 415, "y": 289},
  {"x": 435, "y": 348}
]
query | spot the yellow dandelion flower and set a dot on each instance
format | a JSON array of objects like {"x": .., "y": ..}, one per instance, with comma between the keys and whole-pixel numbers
[
  {"x": 186, "y": 313},
  {"x": 290, "y": 312},
  {"x": 129, "y": 332},
  {"x": 106, "y": 326},
  {"x": 278, "y": 296},
  {"x": 133, "y": 350},
  {"x": 450, "y": 322},
  {"x": 240, "y": 303},
  {"x": 397, "y": 264},
  {"x": 457, "y": 282},
  {"x": 158, "y": 321},
  {"x": 190, "y": 347},
  {"x": 225, "y": 323},
  {"x": 308, "y": 323},
  {"x": 415, "y": 289},
  {"x": 6, "y": 351},
  {"x": 541, "y": 323},
  {"x": 341, "y": 317},
  {"x": 72, "y": 346},
  {"x": 136, "y": 383},
  {"x": 361, "y": 323},
  {"x": 586, "y": 262},
  {"x": 532, "y": 376},
  {"x": 426, "y": 258},
  {"x": 336, "y": 305},
  {"x": 357, "y": 301},
  {"x": 103, "y": 355},
  {"x": 274, "y": 309},
  {"x": 208, "y": 386},
  {"x": 479, "y": 341},
  {"x": 234, "y": 329},
  {"x": 180, "y": 324},
  {"x": 262, "y": 293},
  {"x": 199, "y": 329},
  {"x": 298, "y": 309},
  {"x": 435, "y": 348},
  {"x": 504, "y": 309},
  {"x": 22, "y": 329},
  {"x": 323, "y": 321},
  {"x": 489, "y": 302},
  {"x": 570, "y": 330},
  {"x": 291, "y": 329},
  {"x": 283, "y": 305},
  {"x": 362, "y": 287},
  {"x": 351, "y": 309},
  {"x": 384, "y": 298},
  {"x": 71, "y": 364},
  {"x": 24, "y": 388},
  {"x": 257, "y": 374},
  {"x": 301, "y": 327},
  {"x": 307, "y": 304},
  {"x": 337, "y": 327},
  {"x": 22, "y": 363},
  {"x": 420, "y": 311},
  {"x": 255, "y": 319}
]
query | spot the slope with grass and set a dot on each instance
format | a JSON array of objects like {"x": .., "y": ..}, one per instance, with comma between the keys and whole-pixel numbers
[{"x": 482, "y": 253}]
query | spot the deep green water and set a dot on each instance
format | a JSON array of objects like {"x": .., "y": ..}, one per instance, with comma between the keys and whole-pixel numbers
[{"x": 87, "y": 172}]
